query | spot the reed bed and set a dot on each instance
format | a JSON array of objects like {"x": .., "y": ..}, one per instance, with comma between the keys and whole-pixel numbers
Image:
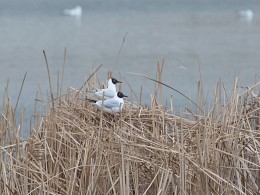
[{"x": 73, "y": 148}]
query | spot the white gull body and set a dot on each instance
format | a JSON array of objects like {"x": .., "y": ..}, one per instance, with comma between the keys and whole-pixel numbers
[
  {"x": 111, "y": 105},
  {"x": 108, "y": 92}
]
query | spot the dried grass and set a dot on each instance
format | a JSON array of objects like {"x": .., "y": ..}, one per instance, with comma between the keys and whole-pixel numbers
[{"x": 76, "y": 149}]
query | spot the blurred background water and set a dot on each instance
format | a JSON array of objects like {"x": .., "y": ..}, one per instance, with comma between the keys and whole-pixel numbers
[{"x": 196, "y": 38}]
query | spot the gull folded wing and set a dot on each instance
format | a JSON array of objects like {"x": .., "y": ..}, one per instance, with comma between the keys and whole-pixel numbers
[
  {"x": 107, "y": 93},
  {"x": 111, "y": 103}
]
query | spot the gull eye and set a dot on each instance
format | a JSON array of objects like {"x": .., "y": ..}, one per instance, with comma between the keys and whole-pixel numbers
[{"x": 114, "y": 81}]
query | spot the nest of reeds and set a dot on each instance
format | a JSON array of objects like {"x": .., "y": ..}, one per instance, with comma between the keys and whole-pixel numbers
[{"x": 77, "y": 149}]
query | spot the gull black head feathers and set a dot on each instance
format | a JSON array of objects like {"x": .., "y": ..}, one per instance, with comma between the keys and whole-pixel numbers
[
  {"x": 121, "y": 95},
  {"x": 115, "y": 81}
]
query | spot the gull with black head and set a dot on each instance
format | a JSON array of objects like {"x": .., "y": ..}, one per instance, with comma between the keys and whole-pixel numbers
[
  {"x": 111, "y": 105},
  {"x": 108, "y": 92}
]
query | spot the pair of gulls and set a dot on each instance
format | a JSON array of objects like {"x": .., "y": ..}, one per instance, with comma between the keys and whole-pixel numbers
[{"x": 110, "y": 100}]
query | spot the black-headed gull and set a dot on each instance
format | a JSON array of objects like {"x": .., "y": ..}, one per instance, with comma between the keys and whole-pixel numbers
[
  {"x": 108, "y": 92},
  {"x": 111, "y": 105},
  {"x": 77, "y": 11}
]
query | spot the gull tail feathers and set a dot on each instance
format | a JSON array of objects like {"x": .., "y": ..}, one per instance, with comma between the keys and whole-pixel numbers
[
  {"x": 90, "y": 100},
  {"x": 94, "y": 90}
]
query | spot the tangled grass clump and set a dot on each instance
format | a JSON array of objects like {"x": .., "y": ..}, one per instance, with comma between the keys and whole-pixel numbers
[{"x": 76, "y": 149}]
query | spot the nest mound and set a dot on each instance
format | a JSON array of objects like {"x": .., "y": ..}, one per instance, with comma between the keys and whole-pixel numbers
[
  {"x": 81, "y": 150},
  {"x": 77, "y": 149}
]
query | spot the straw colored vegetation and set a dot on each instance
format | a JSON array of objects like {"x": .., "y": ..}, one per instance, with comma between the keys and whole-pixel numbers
[{"x": 75, "y": 149}]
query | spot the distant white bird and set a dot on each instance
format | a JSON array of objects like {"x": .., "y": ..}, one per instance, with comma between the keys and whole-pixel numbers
[
  {"x": 77, "y": 11},
  {"x": 111, "y": 105},
  {"x": 108, "y": 92},
  {"x": 246, "y": 15}
]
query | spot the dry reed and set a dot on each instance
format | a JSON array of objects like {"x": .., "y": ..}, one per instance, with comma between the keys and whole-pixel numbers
[{"x": 75, "y": 149}]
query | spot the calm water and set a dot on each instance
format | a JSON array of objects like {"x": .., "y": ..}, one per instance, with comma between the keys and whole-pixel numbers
[{"x": 205, "y": 33}]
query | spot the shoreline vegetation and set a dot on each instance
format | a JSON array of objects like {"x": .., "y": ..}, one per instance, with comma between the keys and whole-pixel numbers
[{"x": 73, "y": 148}]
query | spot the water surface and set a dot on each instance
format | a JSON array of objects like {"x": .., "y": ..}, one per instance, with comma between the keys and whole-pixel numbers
[{"x": 199, "y": 39}]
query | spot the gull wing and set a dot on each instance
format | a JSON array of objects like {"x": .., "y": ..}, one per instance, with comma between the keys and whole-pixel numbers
[
  {"x": 107, "y": 93},
  {"x": 111, "y": 103}
]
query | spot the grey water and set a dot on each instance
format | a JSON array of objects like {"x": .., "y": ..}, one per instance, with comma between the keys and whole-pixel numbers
[{"x": 199, "y": 39}]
